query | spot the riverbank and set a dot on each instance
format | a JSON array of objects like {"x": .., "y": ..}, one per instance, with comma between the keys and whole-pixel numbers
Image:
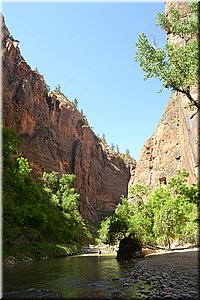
[
  {"x": 160, "y": 274},
  {"x": 166, "y": 275},
  {"x": 17, "y": 253},
  {"x": 94, "y": 249},
  {"x": 26, "y": 253}
]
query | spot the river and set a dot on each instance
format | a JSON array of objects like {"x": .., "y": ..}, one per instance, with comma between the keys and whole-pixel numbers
[
  {"x": 80, "y": 276},
  {"x": 170, "y": 275}
]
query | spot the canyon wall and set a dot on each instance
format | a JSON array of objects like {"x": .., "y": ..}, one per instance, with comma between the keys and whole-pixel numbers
[
  {"x": 55, "y": 136},
  {"x": 174, "y": 144}
]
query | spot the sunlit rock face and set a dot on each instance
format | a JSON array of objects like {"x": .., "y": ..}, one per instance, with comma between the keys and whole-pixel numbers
[
  {"x": 174, "y": 144},
  {"x": 56, "y": 136}
]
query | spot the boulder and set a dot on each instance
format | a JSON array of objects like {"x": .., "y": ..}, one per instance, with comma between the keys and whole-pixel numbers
[{"x": 129, "y": 248}]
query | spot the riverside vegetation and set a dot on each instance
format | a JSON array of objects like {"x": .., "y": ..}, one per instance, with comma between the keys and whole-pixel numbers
[
  {"x": 158, "y": 217},
  {"x": 42, "y": 220},
  {"x": 39, "y": 220},
  {"x": 169, "y": 213}
]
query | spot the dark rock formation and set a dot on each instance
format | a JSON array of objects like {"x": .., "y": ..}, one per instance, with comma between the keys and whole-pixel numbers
[
  {"x": 56, "y": 136},
  {"x": 129, "y": 248}
]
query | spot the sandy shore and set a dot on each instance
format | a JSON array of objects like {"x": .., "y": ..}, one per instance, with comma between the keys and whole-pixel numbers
[{"x": 188, "y": 258}]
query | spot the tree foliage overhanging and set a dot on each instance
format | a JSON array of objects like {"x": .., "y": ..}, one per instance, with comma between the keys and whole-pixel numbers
[{"x": 175, "y": 64}]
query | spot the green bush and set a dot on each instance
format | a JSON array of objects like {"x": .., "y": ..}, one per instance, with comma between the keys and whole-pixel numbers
[
  {"x": 31, "y": 212},
  {"x": 168, "y": 213}
]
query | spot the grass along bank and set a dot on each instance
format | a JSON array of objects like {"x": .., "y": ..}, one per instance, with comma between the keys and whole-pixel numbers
[{"x": 21, "y": 253}]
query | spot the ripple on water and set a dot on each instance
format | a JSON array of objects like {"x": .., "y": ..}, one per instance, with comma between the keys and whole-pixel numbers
[{"x": 96, "y": 277}]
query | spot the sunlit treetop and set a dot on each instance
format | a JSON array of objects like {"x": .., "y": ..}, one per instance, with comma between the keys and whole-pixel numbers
[{"x": 176, "y": 63}]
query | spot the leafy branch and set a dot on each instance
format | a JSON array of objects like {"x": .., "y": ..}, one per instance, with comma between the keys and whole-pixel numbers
[{"x": 176, "y": 64}]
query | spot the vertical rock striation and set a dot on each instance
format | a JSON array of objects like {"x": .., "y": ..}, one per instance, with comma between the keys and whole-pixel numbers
[
  {"x": 56, "y": 136},
  {"x": 172, "y": 146}
]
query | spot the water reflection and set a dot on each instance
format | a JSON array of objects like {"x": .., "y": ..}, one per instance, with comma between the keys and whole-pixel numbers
[{"x": 76, "y": 276}]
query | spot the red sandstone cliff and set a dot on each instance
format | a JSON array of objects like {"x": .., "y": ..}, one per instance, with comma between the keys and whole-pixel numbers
[
  {"x": 56, "y": 136},
  {"x": 172, "y": 146},
  {"x": 174, "y": 143}
]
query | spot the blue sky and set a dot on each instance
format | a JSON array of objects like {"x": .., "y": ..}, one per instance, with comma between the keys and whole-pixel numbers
[{"x": 88, "y": 48}]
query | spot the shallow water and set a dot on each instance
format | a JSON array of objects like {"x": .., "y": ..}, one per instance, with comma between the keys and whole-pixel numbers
[{"x": 81, "y": 276}]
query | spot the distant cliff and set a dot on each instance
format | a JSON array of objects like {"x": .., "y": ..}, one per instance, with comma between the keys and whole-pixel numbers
[
  {"x": 174, "y": 144},
  {"x": 56, "y": 136}
]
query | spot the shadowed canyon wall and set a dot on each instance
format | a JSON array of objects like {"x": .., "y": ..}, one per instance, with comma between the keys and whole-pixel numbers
[{"x": 56, "y": 136}]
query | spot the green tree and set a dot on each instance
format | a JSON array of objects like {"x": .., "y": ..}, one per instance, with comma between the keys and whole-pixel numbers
[
  {"x": 112, "y": 147},
  {"x": 22, "y": 209},
  {"x": 58, "y": 88},
  {"x": 103, "y": 231},
  {"x": 10, "y": 143},
  {"x": 62, "y": 194},
  {"x": 175, "y": 64},
  {"x": 117, "y": 148},
  {"x": 33, "y": 212},
  {"x": 173, "y": 209},
  {"x": 171, "y": 219},
  {"x": 117, "y": 229},
  {"x": 23, "y": 166},
  {"x": 75, "y": 102},
  {"x": 168, "y": 213},
  {"x": 61, "y": 191},
  {"x": 116, "y": 226},
  {"x": 141, "y": 223},
  {"x": 138, "y": 192},
  {"x": 178, "y": 186}
]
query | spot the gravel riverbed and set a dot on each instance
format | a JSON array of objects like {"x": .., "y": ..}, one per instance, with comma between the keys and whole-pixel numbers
[{"x": 168, "y": 275}]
